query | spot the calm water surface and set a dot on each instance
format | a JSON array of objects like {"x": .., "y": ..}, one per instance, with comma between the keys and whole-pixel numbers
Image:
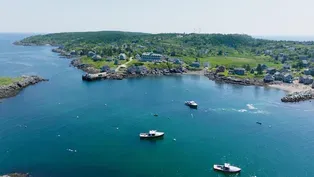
[{"x": 100, "y": 122}]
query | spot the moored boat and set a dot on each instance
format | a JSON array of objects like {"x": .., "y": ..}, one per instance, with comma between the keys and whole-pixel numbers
[
  {"x": 152, "y": 134},
  {"x": 227, "y": 168},
  {"x": 192, "y": 104}
]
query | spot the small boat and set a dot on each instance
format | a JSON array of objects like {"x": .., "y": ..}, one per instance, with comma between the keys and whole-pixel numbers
[
  {"x": 227, "y": 168},
  {"x": 156, "y": 115},
  {"x": 192, "y": 104},
  {"x": 152, "y": 134},
  {"x": 259, "y": 123}
]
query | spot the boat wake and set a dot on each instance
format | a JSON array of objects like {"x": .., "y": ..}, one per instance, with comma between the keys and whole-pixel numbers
[{"x": 251, "y": 106}]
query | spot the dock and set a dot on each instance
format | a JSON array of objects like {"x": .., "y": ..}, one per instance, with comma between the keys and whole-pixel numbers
[{"x": 97, "y": 76}]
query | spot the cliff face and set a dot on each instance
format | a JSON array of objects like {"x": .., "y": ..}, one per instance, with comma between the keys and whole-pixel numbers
[{"x": 14, "y": 88}]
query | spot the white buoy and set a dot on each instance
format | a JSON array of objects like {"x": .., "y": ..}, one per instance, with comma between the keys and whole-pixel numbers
[
  {"x": 174, "y": 139},
  {"x": 192, "y": 116},
  {"x": 117, "y": 128},
  {"x": 58, "y": 135},
  {"x": 77, "y": 116},
  {"x": 105, "y": 104}
]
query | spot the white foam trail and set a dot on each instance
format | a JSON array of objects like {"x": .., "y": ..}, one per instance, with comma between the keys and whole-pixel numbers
[
  {"x": 242, "y": 110},
  {"x": 250, "y": 106}
]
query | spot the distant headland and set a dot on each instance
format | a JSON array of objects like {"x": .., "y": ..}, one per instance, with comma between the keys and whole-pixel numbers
[{"x": 231, "y": 58}]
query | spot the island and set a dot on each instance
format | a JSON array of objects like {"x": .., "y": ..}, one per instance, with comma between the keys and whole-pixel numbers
[
  {"x": 10, "y": 87},
  {"x": 231, "y": 58}
]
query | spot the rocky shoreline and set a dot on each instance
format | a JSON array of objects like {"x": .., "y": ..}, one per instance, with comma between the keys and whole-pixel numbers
[
  {"x": 13, "y": 89},
  {"x": 16, "y": 175},
  {"x": 230, "y": 80},
  {"x": 298, "y": 96}
]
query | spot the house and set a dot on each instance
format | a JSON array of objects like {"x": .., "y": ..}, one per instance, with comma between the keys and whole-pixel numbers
[
  {"x": 271, "y": 70},
  {"x": 301, "y": 79},
  {"x": 220, "y": 69},
  {"x": 239, "y": 71},
  {"x": 91, "y": 54},
  {"x": 73, "y": 52},
  {"x": 305, "y": 63},
  {"x": 302, "y": 57},
  {"x": 138, "y": 57},
  {"x": 206, "y": 64},
  {"x": 96, "y": 57},
  {"x": 195, "y": 64},
  {"x": 116, "y": 62},
  {"x": 287, "y": 78},
  {"x": 109, "y": 59},
  {"x": 264, "y": 66},
  {"x": 178, "y": 61},
  {"x": 122, "y": 56},
  {"x": 308, "y": 80},
  {"x": 105, "y": 68},
  {"x": 268, "y": 78},
  {"x": 137, "y": 69},
  {"x": 307, "y": 72},
  {"x": 278, "y": 76},
  {"x": 286, "y": 66},
  {"x": 150, "y": 56}
]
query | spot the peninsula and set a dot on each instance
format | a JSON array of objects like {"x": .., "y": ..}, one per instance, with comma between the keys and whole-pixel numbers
[
  {"x": 231, "y": 58},
  {"x": 10, "y": 87}
]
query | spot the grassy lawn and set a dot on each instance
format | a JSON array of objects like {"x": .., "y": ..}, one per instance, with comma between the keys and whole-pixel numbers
[
  {"x": 8, "y": 80},
  {"x": 99, "y": 64},
  {"x": 235, "y": 61}
]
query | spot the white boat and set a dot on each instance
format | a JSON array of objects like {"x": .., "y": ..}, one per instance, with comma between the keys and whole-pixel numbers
[
  {"x": 227, "y": 168},
  {"x": 152, "y": 134},
  {"x": 192, "y": 104}
]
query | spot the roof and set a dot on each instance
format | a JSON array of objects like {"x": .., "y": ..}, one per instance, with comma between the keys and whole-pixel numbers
[
  {"x": 287, "y": 75},
  {"x": 151, "y": 54},
  {"x": 242, "y": 69}
]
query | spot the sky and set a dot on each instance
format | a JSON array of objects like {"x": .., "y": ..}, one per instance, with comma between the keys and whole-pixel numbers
[{"x": 253, "y": 17}]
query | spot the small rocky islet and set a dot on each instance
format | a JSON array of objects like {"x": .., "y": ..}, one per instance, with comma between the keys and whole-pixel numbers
[{"x": 14, "y": 88}]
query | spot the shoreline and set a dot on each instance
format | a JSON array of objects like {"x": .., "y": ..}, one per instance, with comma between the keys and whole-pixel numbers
[
  {"x": 11, "y": 90},
  {"x": 294, "y": 89}
]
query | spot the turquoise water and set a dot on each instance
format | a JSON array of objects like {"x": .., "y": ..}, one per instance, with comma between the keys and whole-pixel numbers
[{"x": 102, "y": 120}]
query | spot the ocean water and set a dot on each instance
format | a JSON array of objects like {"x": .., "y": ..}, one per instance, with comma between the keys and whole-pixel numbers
[{"x": 70, "y": 128}]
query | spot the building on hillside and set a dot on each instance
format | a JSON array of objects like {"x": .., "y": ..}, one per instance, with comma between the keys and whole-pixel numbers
[
  {"x": 286, "y": 66},
  {"x": 220, "y": 69},
  {"x": 178, "y": 61},
  {"x": 195, "y": 64},
  {"x": 302, "y": 57},
  {"x": 109, "y": 59},
  {"x": 264, "y": 66},
  {"x": 308, "y": 80},
  {"x": 287, "y": 78},
  {"x": 138, "y": 57},
  {"x": 305, "y": 63},
  {"x": 96, "y": 58},
  {"x": 271, "y": 70},
  {"x": 91, "y": 54},
  {"x": 150, "y": 56},
  {"x": 122, "y": 56},
  {"x": 239, "y": 71},
  {"x": 206, "y": 64},
  {"x": 105, "y": 68},
  {"x": 278, "y": 76},
  {"x": 268, "y": 78}
]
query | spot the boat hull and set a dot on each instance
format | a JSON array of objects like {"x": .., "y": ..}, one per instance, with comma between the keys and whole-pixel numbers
[
  {"x": 232, "y": 169},
  {"x": 146, "y": 136}
]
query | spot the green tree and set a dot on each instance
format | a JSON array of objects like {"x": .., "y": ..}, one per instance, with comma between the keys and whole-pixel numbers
[
  {"x": 259, "y": 69},
  {"x": 248, "y": 67}
]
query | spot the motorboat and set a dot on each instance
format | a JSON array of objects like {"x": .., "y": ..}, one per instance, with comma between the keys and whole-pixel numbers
[
  {"x": 192, "y": 104},
  {"x": 227, "y": 168},
  {"x": 152, "y": 134}
]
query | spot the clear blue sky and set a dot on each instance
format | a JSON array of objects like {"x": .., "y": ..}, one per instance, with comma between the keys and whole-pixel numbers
[{"x": 254, "y": 17}]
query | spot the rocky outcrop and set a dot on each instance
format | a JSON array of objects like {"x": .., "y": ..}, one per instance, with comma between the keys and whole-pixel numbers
[
  {"x": 13, "y": 89},
  {"x": 230, "y": 80},
  {"x": 16, "y": 175},
  {"x": 85, "y": 67},
  {"x": 298, "y": 96}
]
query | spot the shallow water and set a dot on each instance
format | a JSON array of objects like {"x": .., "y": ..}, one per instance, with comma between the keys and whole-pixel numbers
[{"x": 67, "y": 127}]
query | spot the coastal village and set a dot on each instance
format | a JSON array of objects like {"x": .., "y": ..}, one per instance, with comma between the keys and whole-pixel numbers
[{"x": 235, "y": 59}]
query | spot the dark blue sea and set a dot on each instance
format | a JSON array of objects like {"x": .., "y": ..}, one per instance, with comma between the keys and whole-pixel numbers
[{"x": 70, "y": 128}]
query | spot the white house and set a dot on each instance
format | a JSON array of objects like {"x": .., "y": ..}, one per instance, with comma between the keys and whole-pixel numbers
[
  {"x": 150, "y": 56},
  {"x": 122, "y": 56}
]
